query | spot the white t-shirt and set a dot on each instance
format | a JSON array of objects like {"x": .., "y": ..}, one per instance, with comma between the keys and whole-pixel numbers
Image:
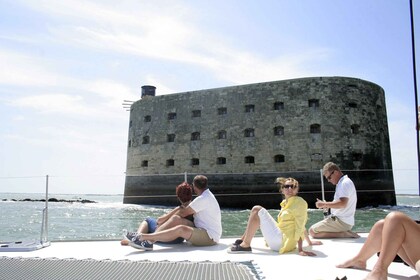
[
  {"x": 345, "y": 188},
  {"x": 207, "y": 214}
]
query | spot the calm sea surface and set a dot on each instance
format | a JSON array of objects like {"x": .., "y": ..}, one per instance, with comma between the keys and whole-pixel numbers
[{"x": 106, "y": 218}]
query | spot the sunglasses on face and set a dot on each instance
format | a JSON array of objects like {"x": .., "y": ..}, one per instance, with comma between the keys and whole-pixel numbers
[
  {"x": 329, "y": 177},
  {"x": 288, "y": 187}
]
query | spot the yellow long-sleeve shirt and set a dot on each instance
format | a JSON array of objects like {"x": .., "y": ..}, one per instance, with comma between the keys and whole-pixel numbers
[{"x": 291, "y": 221}]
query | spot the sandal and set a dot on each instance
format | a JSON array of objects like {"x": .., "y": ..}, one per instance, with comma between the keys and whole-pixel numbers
[{"x": 236, "y": 249}]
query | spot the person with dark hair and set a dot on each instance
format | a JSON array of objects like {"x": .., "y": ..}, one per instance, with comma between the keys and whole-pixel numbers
[
  {"x": 150, "y": 225},
  {"x": 206, "y": 229},
  {"x": 284, "y": 234},
  {"x": 397, "y": 234},
  {"x": 343, "y": 206}
]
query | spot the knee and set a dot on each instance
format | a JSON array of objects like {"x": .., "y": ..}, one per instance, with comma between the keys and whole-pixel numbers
[
  {"x": 175, "y": 219},
  {"x": 311, "y": 232},
  {"x": 182, "y": 230},
  {"x": 378, "y": 226},
  {"x": 396, "y": 216},
  {"x": 256, "y": 209}
]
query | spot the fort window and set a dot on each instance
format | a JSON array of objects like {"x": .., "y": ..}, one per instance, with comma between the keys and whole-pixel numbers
[
  {"x": 353, "y": 105},
  {"x": 313, "y": 103},
  {"x": 249, "y": 159},
  {"x": 170, "y": 162},
  {"x": 278, "y": 158},
  {"x": 196, "y": 113},
  {"x": 222, "y": 111},
  {"x": 355, "y": 129},
  {"x": 171, "y": 137},
  {"x": 221, "y": 134},
  {"x": 278, "y": 106},
  {"x": 129, "y": 143},
  {"x": 144, "y": 163},
  {"x": 146, "y": 140},
  {"x": 357, "y": 156},
  {"x": 221, "y": 160},
  {"x": 131, "y": 123},
  {"x": 249, "y": 132},
  {"x": 316, "y": 157},
  {"x": 315, "y": 128},
  {"x": 195, "y": 136},
  {"x": 249, "y": 108},
  {"x": 195, "y": 161},
  {"x": 279, "y": 131},
  {"x": 147, "y": 118},
  {"x": 172, "y": 116}
]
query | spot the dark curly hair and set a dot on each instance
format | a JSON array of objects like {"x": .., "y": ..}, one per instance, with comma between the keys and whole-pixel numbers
[{"x": 184, "y": 192}]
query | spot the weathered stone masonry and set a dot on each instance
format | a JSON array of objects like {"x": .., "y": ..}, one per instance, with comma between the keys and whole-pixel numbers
[{"x": 281, "y": 126}]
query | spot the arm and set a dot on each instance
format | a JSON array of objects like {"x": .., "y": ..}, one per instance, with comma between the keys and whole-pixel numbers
[
  {"x": 311, "y": 242},
  {"x": 162, "y": 219},
  {"x": 302, "y": 252},
  {"x": 340, "y": 203},
  {"x": 180, "y": 211}
]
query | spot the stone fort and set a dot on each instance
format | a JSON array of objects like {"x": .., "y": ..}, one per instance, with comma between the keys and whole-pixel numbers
[{"x": 243, "y": 137}]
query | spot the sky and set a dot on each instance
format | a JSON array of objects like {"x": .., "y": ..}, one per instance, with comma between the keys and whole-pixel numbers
[{"x": 67, "y": 66}]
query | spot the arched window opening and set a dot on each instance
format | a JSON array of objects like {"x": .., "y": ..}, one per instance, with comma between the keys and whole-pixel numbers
[
  {"x": 146, "y": 140},
  {"x": 249, "y": 132},
  {"x": 195, "y": 161},
  {"x": 279, "y": 131},
  {"x": 355, "y": 128},
  {"x": 279, "y": 158},
  {"x": 221, "y": 160},
  {"x": 249, "y": 159},
  {"x": 315, "y": 128},
  {"x": 221, "y": 134},
  {"x": 277, "y": 106},
  {"x": 195, "y": 136}
]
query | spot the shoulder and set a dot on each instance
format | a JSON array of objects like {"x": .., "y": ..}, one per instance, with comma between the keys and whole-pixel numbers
[{"x": 298, "y": 201}]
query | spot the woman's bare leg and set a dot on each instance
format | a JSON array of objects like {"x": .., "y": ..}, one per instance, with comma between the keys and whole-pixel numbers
[
  {"x": 251, "y": 227},
  {"x": 371, "y": 246},
  {"x": 400, "y": 235}
]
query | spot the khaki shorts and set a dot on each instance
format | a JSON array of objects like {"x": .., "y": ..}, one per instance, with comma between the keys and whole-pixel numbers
[
  {"x": 199, "y": 237},
  {"x": 331, "y": 224}
]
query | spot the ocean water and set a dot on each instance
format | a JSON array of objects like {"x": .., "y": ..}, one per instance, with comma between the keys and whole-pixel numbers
[{"x": 105, "y": 219}]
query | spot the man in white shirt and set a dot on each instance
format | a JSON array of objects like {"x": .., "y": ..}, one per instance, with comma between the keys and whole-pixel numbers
[
  {"x": 343, "y": 207},
  {"x": 207, "y": 227}
]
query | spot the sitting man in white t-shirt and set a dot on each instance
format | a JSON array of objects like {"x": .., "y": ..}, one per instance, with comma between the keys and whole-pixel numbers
[
  {"x": 343, "y": 207},
  {"x": 207, "y": 227}
]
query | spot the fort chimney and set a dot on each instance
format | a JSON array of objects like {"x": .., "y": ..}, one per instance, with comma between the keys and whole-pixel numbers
[{"x": 148, "y": 91}]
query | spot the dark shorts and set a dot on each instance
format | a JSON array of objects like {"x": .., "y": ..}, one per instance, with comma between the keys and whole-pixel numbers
[{"x": 152, "y": 226}]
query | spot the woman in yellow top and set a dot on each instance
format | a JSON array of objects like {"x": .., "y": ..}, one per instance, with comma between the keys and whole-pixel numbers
[{"x": 287, "y": 232}]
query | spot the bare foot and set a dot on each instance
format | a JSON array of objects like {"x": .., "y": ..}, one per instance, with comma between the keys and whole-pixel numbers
[
  {"x": 124, "y": 242},
  {"x": 353, "y": 263},
  {"x": 352, "y": 234},
  {"x": 377, "y": 274},
  {"x": 315, "y": 242}
]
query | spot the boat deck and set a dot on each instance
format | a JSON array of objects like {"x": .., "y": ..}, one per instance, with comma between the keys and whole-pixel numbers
[{"x": 271, "y": 264}]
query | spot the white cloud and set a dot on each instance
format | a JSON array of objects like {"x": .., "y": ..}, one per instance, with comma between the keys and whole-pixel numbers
[
  {"x": 141, "y": 30},
  {"x": 24, "y": 70}
]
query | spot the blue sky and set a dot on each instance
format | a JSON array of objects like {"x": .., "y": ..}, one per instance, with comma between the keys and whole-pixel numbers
[{"x": 66, "y": 67}]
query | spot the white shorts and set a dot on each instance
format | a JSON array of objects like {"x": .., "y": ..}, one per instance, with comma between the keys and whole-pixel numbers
[{"x": 272, "y": 234}]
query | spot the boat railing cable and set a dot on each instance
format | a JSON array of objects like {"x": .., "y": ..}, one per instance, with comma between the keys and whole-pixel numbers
[{"x": 413, "y": 49}]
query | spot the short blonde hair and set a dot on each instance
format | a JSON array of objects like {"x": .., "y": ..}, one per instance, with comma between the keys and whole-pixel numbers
[
  {"x": 282, "y": 181},
  {"x": 329, "y": 167}
]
